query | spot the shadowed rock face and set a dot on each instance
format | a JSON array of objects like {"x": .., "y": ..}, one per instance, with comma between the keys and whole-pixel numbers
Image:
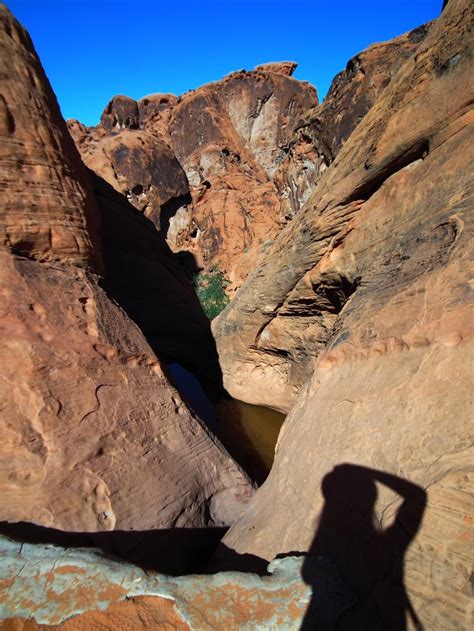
[
  {"x": 93, "y": 436},
  {"x": 360, "y": 321}
]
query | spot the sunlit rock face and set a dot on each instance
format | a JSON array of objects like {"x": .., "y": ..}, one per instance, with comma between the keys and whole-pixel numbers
[
  {"x": 320, "y": 132},
  {"x": 360, "y": 321},
  {"x": 228, "y": 138},
  {"x": 93, "y": 435},
  {"x": 253, "y": 147},
  {"x": 47, "y": 210},
  {"x": 87, "y": 590}
]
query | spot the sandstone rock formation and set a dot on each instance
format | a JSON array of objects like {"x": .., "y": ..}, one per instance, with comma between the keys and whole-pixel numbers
[
  {"x": 93, "y": 435},
  {"x": 253, "y": 147},
  {"x": 228, "y": 138},
  {"x": 321, "y": 131},
  {"x": 38, "y": 159},
  {"x": 138, "y": 165},
  {"x": 360, "y": 317}
]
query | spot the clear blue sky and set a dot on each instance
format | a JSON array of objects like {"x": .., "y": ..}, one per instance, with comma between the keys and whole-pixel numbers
[{"x": 93, "y": 49}]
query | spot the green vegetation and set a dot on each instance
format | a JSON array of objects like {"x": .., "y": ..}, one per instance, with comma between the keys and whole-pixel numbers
[{"x": 210, "y": 289}]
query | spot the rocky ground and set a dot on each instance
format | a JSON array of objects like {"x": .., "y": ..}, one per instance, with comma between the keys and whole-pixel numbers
[{"x": 356, "y": 321}]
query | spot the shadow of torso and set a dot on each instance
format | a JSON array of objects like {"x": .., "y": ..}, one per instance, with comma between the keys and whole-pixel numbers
[{"x": 370, "y": 561}]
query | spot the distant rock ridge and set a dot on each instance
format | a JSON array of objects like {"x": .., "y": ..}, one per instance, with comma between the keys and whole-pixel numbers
[
  {"x": 285, "y": 68},
  {"x": 253, "y": 147}
]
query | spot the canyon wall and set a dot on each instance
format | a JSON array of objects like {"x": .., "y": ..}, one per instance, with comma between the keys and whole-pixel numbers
[
  {"x": 359, "y": 321},
  {"x": 221, "y": 169},
  {"x": 201, "y": 166},
  {"x": 93, "y": 435}
]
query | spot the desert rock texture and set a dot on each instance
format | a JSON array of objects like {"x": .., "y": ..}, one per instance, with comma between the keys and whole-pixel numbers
[
  {"x": 202, "y": 167},
  {"x": 347, "y": 228},
  {"x": 220, "y": 170},
  {"x": 360, "y": 322},
  {"x": 93, "y": 435}
]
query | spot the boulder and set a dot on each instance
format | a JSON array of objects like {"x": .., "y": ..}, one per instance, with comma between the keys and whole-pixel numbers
[
  {"x": 360, "y": 320},
  {"x": 120, "y": 113},
  {"x": 144, "y": 169}
]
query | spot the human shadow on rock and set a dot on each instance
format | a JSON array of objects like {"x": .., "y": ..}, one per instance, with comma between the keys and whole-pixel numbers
[
  {"x": 370, "y": 561},
  {"x": 147, "y": 280}
]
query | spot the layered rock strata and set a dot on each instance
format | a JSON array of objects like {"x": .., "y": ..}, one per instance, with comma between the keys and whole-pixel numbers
[
  {"x": 360, "y": 320},
  {"x": 93, "y": 435},
  {"x": 41, "y": 170}
]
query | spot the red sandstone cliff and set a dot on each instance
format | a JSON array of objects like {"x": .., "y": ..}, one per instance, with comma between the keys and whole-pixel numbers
[{"x": 93, "y": 435}]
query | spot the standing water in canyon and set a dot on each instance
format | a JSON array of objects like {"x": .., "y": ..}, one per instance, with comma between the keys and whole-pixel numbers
[{"x": 249, "y": 432}]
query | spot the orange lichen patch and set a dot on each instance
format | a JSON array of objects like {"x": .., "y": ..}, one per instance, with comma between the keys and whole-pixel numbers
[
  {"x": 65, "y": 569},
  {"x": 83, "y": 597},
  {"x": 6, "y": 582},
  {"x": 231, "y": 605},
  {"x": 141, "y": 613}
]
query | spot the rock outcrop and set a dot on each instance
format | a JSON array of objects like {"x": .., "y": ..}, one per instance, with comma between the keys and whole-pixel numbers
[
  {"x": 320, "y": 133},
  {"x": 93, "y": 435},
  {"x": 228, "y": 137},
  {"x": 87, "y": 590},
  {"x": 360, "y": 320},
  {"x": 138, "y": 165},
  {"x": 40, "y": 168},
  {"x": 253, "y": 147}
]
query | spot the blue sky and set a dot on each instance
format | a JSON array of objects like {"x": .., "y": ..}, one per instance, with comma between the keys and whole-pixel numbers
[{"x": 93, "y": 49}]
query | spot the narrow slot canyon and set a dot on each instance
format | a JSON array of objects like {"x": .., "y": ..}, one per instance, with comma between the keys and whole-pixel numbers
[{"x": 237, "y": 340}]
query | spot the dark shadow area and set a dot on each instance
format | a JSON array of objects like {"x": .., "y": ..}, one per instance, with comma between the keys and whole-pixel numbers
[
  {"x": 154, "y": 287},
  {"x": 170, "y": 208},
  {"x": 144, "y": 277},
  {"x": 369, "y": 561},
  {"x": 226, "y": 559},
  {"x": 172, "y": 551}
]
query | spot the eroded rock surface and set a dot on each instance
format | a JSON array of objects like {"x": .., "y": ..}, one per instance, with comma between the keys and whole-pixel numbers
[
  {"x": 47, "y": 211},
  {"x": 93, "y": 435},
  {"x": 87, "y": 590},
  {"x": 320, "y": 132},
  {"x": 228, "y": 138},
  {"x": 253, "y": 147},
  {"x": 360, "y": 320}
]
